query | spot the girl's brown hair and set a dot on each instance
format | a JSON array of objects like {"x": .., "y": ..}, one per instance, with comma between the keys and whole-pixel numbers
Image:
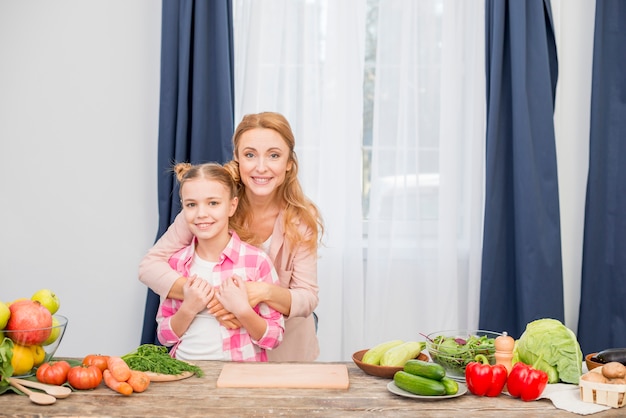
[
  {"x": 296, "y": 204},
  {"x": 210, "y": 171}
]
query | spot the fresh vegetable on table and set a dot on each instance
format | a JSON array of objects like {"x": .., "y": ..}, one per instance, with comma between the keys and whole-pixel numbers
[
  {"x": 526, "y": 382},
  {"x": 374, "y": 354},
  {"x": 139, "y": 381},
  {"x": 419, "y": 385},
  {"x": 555, "y": 345},
  {"x": 397, "y": 356},
  {"x": 54, "y": 372},
  {"x": 451, "y": 385},
  {"x": 98, "y": 360},
  {"x": 612, "y": 354},
  {"x": 6, "y": 369},
  {"x": 425, "y": 369},
  {"x": 156, "y": 359},
  {"x": 122, "y": 387},
  {"x": 483, "y": 379},
  {"x": 425, "y": 379},
  {"x": 84, "y": 377},
  {"x": 118, "y": 368}
]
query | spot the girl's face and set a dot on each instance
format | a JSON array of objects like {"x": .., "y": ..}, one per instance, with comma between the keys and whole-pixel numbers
[
  {"x": 207, "y": 206},
  {"x": 263, "y": 157}
]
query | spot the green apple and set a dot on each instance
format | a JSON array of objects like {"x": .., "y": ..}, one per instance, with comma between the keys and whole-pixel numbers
[
  {"x": 54, "y": 334},
  {"x": 48, "y": 299},
  {"x": 5, "y": 313}
]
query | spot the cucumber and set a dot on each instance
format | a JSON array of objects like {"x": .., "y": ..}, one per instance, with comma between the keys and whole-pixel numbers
[
  {"x": 452, "y": 387},
  {"x": 612, "y": 354},
  {"x": 373, "y": 355},
  {"x": 397, "y": 356},
  {"x": 418, "y": 385},
  {"x": 425, "y": 369}
]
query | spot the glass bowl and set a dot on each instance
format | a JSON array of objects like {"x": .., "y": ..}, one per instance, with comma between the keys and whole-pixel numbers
[
  {"x": 26, "y": 351},
  {"x": 454, "y": 349}
]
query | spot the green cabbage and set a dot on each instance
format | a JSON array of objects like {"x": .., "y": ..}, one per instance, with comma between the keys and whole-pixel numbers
[{"x": 556, "y": 348}]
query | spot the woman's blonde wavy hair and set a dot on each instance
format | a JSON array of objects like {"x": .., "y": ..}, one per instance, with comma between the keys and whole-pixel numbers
[{"x": 296, "y": 205}]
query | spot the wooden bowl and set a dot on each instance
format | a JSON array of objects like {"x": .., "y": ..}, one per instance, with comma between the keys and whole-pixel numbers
[
  {"x": 380, "y": 371},
  {"x": 592, "y": 364}
]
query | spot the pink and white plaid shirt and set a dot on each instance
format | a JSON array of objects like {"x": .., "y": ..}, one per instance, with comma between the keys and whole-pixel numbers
[{"x": 238, "y": 345}]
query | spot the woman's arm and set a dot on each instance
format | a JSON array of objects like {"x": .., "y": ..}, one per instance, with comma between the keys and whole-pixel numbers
[
  {"x": 275, "y": 296},
  {"x": 154, "y": 269},
  {"x": 303, "y": 286},
  {"x": 297, "y": 294}
]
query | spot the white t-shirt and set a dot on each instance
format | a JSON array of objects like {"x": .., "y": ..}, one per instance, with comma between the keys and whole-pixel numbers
[
  {"x": 266, "y": 245},
  {"x": 203, "y": 338}
]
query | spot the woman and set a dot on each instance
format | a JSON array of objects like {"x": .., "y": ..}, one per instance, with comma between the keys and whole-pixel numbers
[{"x": 273, "y": 214}]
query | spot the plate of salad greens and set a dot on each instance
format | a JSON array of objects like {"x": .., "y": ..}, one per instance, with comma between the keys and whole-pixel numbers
[{"x": 454, "y": 349}]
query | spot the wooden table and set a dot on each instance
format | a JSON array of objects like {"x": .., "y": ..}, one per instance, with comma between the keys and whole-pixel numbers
[{"x": 199, "y": 397}]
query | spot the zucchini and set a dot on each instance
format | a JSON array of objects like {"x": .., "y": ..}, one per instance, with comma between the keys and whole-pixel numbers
[
  {"x": 612, "y": 354},
  {"x": 425, "y": 369},
  {"x": 397, "y": 356},
  {"x": 452, "y": 387},
  {"x": 418, "y": 385},
  {"x": 373, "y": 355}
]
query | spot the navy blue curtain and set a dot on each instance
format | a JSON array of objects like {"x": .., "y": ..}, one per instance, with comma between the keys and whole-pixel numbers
[
  {"x": 522, "y": 276},
  {"x": 196, "y": 119},
  {"x": 602, "y": 316}
]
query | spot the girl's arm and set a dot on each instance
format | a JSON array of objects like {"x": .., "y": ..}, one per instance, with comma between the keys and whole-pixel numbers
[
  {"x": 197, "y": 293},
  {"x": 154, "y": 269},
  {"x": 233, "y": 296}
]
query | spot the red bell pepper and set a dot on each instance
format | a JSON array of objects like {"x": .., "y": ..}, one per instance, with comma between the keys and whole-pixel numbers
[
  {"x": 484, "y": 379},
  {"x": 526, "y": 382}
]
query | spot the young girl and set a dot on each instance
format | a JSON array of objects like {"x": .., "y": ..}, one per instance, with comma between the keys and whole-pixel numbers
[{"x": 218, "y": 264}]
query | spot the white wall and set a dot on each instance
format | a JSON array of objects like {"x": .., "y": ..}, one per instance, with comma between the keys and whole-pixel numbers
[
  {"x": 79, "y": 85},
  {"x": 79, "y": 92}
]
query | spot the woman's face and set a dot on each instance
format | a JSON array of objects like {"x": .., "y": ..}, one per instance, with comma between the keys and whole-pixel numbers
[
  {"x": 207, "y": 207},
  {"x": 263, "y": 157}
]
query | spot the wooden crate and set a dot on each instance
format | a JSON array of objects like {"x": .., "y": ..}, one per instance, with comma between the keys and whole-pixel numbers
[{"x": 602, "y": 393}]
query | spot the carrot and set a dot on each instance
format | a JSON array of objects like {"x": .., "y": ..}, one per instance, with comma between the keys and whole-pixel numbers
[
  {"x": 138, "y": 380},
  {"x": 121, "y": 387},
  {"x": 118, "y": 367}
]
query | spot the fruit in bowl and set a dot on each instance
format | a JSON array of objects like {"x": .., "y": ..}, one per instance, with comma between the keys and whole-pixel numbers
[
  {"x": 31, "y": 331},
  {"x": 454, "y": 349},
  {"x": 32, "y": 347}
]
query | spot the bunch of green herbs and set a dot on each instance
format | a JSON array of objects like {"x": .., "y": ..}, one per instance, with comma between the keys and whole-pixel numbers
[{"x": 156, "y": 359}]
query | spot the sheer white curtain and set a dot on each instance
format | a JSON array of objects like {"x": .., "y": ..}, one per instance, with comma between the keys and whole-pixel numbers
[
  {"x": 425, "y": 217},
  {"x": 395, "y": 167}
]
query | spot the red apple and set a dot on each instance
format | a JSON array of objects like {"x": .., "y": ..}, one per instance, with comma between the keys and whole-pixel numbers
[{"x": 29, "y": 323}]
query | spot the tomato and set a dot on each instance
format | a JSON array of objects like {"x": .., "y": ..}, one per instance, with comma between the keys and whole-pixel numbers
[
  {"x": 53, "y": 373},
  {"x": 84, "y": 377},
  {"x": 97, "y": 360}
]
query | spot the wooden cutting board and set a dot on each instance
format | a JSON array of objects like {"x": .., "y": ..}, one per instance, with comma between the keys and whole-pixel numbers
[{"x": 284, "y": 375}]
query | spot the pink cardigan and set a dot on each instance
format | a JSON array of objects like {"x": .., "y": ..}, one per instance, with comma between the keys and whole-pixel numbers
[{"x": 297, "y": 271}]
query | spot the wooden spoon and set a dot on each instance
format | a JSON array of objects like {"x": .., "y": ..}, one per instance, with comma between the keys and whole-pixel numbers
[
  {"x": 36, "y": 397},
  {"x": 58, "y": 392}
]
